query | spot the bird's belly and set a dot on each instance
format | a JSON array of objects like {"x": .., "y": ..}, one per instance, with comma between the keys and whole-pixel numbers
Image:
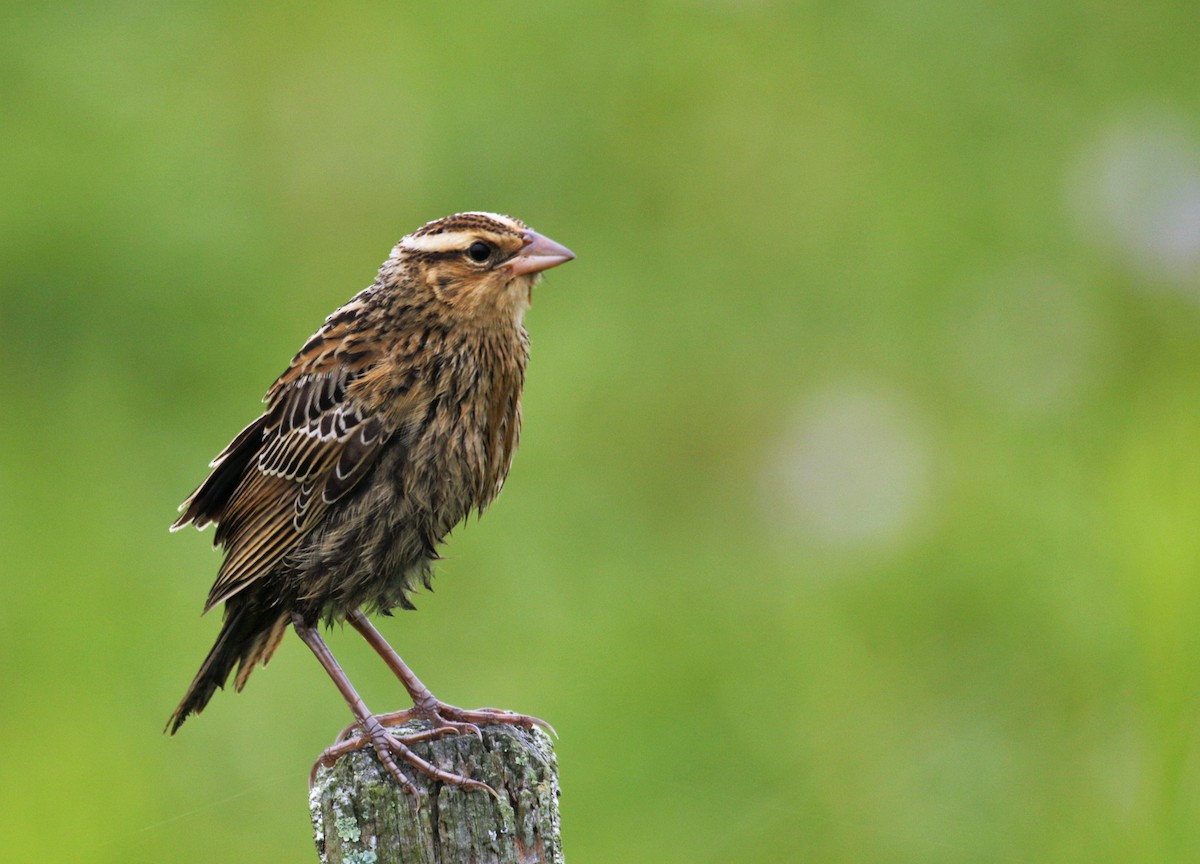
[{"x": 379, "y": 548}]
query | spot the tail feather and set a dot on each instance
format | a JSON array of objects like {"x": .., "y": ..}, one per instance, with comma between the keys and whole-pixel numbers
[{"x": 246, "y": 639}]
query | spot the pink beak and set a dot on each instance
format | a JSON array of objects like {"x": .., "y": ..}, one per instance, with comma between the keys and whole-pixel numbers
[{"x": 540, "y": 253}]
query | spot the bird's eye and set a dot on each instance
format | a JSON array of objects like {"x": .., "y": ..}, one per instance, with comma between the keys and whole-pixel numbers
[{"x": 479, "y": 251}]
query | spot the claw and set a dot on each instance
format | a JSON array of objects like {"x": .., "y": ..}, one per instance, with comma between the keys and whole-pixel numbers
[
  {"x": 490, "y": 716},
  {"x": 386, "y": 745}
]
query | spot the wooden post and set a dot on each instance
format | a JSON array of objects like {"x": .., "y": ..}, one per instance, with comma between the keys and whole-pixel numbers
[{"x": 361, "y": 815}]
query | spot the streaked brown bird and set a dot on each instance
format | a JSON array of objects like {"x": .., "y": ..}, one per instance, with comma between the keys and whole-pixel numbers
[{"x": 394, "y": 421}]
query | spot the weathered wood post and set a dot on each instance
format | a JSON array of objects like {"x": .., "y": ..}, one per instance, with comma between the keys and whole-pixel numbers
[{"x": 361, "y": 815}]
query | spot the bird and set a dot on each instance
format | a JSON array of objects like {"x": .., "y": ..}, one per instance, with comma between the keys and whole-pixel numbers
[{"x": 395, "y": 420}]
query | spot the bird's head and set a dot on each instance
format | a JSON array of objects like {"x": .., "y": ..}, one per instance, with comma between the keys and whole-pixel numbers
[{"x": 483, "y": 265}]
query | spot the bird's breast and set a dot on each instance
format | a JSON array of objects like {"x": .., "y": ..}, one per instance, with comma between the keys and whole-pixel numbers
[{"x": 462, "y": 446}]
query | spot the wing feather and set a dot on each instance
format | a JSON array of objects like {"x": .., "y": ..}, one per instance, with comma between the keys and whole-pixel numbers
[
  {"x": 285, "y": 491},
  {"x": 323, "y": 428}
]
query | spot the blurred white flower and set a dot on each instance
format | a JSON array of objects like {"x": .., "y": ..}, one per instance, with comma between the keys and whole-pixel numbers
[
  {"x": 852, "y": 470},
  {"x": 1137, "y": 189}
]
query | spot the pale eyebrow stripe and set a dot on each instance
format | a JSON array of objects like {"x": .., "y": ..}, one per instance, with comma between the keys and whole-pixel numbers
[{"x": 444, "y": 242}]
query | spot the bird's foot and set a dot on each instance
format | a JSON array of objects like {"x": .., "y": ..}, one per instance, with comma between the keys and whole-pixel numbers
[
  {"x": 388, "y": 747},
  {"x": 445, "y": 719},
  {"x": 442, "y": 715}
]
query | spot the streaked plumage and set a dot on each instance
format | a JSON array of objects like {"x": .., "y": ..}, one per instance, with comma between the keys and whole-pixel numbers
[{"x": 398, "y": 417}]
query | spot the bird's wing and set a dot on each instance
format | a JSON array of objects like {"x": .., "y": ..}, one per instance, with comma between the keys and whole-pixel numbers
[{"x": 319, "y": 436}]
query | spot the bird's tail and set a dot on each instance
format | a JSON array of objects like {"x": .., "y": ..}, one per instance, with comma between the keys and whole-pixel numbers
[{"x": 248, "y": 637}]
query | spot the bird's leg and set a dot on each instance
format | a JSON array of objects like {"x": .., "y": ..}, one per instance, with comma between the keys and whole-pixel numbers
[
  {"x": 386, "y": 746},
  {"x": 426, "y": 706}
]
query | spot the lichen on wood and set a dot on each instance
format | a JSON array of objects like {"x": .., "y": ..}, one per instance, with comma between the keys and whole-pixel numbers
[{"x": 362, "y": 816}]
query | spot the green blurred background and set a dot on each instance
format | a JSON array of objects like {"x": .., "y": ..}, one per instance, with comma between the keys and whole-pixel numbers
[{"x": 856, "y": 516}]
